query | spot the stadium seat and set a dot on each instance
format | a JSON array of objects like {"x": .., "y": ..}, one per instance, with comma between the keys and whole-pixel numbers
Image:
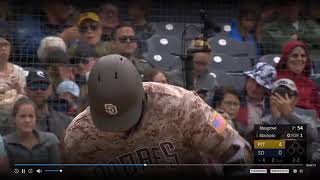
[
  {"x": 225, "y": 29},
  {"x": 168, "y": 29},
  {"x": 163, "y": 62},
  {"x": 224, "y": 62},
  {"x": 246, "y": 63},
  {"x": 226, "y": 45},
  {"x": 239, "y": 82},
  {"x": 236, "y": 80},
  {"x": 272, "y": 59},
  {"x": 163, "y": 44},
  {"x": 222, "y": 77},
  {"x": 159, "y": 50},
  {"x": 193, "y": 32}
]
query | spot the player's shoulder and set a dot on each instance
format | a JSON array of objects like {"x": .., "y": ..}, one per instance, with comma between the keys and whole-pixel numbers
[
  {"x": 85, "y": 114},
  {"x": 83, "y": 117},
  {"x": 165, "y": 89},
  {"x": 172, "y": 96}
]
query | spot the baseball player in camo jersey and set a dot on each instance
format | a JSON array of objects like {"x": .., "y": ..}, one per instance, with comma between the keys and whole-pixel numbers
[{"x": 130, "y": 122}]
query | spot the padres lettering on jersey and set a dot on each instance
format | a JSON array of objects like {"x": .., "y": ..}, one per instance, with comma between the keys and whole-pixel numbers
[{"x": 163, "y": 154}]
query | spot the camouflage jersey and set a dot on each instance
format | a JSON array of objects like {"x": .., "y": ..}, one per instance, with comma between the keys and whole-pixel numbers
[{"x": 177, "y": 127}]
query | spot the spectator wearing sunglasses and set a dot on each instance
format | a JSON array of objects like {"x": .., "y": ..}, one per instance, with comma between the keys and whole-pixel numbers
[
  {"x": 39, "y": 89},
  {"x": 124, "y": 42},
  {"x": 90, "y": 29}
]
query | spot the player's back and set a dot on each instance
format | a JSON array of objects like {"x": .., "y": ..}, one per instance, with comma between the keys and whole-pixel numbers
[
  {"x": 169, "y": 132},
  {"x": 161, "y": 134}
]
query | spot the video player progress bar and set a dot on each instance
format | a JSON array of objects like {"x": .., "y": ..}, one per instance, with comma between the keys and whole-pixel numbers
[{"x": 79, "y": 165}]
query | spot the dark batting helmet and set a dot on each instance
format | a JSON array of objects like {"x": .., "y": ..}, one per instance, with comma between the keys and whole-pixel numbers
[{"x": 115, "y": 93}]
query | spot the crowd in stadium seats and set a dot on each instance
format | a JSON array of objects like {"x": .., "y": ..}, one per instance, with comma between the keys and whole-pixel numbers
[{"x": 45, "y": 62}]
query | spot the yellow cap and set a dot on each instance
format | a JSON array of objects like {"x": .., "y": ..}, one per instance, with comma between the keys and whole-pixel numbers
[{"x": 88, "y": 15}]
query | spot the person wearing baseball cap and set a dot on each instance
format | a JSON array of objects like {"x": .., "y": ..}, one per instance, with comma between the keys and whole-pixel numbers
[
  {"x": 69, "y": 91},
  {"x": 39, "y": 89},
  {"x": 90, "y": 29},
  {"x": 257, "y": 89},
  {"x": 127, "y": 120},
  {"x": 203, "y": 83},
  {"x": 283, "y": 108}
]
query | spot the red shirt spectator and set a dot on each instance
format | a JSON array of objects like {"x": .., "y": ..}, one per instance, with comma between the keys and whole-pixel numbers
[{"x": 295, "y": 64}]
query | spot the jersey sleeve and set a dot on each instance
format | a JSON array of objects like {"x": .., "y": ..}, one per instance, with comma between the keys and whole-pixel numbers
[{"x": 211, "y": 135}]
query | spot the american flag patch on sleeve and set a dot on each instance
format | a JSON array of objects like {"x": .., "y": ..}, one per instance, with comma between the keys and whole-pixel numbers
[{"x": 218, "y": 122}]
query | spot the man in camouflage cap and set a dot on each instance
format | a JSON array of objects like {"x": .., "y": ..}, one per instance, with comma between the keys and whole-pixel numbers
[{"x": 203, "y": 83}]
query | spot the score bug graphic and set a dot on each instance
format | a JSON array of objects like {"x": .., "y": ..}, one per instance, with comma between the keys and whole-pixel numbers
[{"x": 280, "y": 144}]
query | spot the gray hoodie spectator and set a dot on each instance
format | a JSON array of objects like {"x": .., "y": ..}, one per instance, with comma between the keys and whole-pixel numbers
[{"x": 27, "y": 144}]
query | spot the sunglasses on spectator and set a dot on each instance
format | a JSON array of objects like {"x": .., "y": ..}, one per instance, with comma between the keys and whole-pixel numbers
[
  {"x": 127, "y": 39},
  {"x": 38, "y": 86},
  {"x": 86, "y": 28}
]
